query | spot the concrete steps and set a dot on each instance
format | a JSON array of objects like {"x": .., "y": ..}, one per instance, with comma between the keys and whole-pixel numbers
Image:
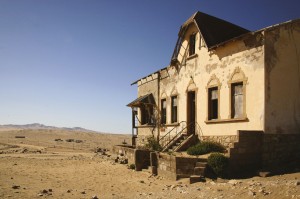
[
  {"x": 196, "y": 178},
  {"x": 199, "y": 172}
]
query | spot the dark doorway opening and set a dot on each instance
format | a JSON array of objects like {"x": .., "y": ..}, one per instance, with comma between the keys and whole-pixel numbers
[{"x": 191, "y": 112}]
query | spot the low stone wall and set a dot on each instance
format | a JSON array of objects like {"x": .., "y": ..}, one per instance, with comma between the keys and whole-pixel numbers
[
  {"x": 225, "y": 140},
  {"x": 166, "y": 166},
  {"x": 280, "y": 149},
  {"x": 127, "y": 151},
  {"x": 142, "y": 159},
  {"x": 139, "y": 157},
  {"x": 173, "y": 167}
]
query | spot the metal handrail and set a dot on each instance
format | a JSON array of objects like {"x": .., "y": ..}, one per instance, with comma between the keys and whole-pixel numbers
[
  {"x": 200, "y": 130},
  {"x": 176, "y": 135},
  {"x": 180, "y": 132},
  {"x": 169, "y": 133}
]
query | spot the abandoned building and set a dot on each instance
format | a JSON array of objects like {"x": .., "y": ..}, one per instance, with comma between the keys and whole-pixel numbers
[{"x": 226, "y": 84}]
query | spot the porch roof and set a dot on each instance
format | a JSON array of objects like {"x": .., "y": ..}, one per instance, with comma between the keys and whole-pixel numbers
[{"x": 145, "y": 99}]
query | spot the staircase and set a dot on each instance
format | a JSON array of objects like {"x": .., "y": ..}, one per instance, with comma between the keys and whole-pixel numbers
[
  {"x": 180, "y": 144},
  {"x": 176, "y": 140},
  {"x": 199, "y": 171}
]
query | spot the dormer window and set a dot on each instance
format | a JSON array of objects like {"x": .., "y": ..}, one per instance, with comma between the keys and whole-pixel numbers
[{"x": 192, "y": 44}]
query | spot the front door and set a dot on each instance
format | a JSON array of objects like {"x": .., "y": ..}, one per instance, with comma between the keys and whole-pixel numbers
[{"x": 191, "y": 112}]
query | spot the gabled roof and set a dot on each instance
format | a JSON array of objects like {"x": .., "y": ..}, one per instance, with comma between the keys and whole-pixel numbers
[{"x": 214, "y": 30}]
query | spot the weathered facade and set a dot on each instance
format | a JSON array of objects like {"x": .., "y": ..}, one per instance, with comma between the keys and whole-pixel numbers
[{"x": 223, "y": 79}]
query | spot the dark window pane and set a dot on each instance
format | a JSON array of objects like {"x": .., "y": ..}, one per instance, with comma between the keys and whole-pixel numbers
[
  {"x": 213, "y": 103},
  {"x": 163, "y": 111},
  {"x": 192, "y": 44},
  {"x": 174, "y": 109}
]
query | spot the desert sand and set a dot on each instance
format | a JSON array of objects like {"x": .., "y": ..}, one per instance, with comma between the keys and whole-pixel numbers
[{"x": 37, "y": 166}]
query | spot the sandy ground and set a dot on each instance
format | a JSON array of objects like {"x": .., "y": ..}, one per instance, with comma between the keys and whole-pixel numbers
[{"x": 39, "y": 167}]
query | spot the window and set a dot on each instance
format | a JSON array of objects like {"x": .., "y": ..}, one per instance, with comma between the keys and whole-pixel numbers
[
  {"x": 237, "y": 100},
  {"x": 163, "y": 111},
  {"x": 147, "y": 116},
  {"x": 213, "y": 103},
  {"x": 213, "y": 98},
  {"x": 192, "y": 44},
  {"x": 173, "y": 109},
  {"x": 237, "y": 94}
]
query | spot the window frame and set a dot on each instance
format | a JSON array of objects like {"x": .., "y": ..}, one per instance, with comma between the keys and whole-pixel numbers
[
  {"x": 147, "y": 115},
  {"x": 213, "y": 84},
  {"x": 163, "y": 111},
  {"x": 237, "y": 77},
  {"x": 213, "y": 112},
  {"x": 192, "y": 44},
  {"x": 174, "y": 118}
]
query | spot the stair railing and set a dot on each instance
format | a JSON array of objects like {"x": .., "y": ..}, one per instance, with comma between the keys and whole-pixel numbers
[
  {"x": 198, "y": 129},
  {"x": 175, "y": 136},
  {"x": 167, "y": 137}
]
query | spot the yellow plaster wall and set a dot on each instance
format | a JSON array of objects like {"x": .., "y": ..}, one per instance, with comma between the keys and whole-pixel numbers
[
  {"x": 195, "y": 73},
  {"x": 282, "y": 47}
]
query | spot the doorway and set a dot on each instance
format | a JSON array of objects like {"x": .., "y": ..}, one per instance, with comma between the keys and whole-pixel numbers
[{"x": 191, "y": 112}]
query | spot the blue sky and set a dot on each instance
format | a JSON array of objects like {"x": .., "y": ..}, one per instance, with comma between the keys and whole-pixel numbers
[{"x": 70, "y": 63}]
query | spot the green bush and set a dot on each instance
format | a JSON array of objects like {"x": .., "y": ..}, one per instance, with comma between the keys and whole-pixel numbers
[
  {"x": 153, "y": 144},
  {"x": 205, "y": 147},
  {"x": 218, "y": 163},
  {"x": 132, "y": 166}
]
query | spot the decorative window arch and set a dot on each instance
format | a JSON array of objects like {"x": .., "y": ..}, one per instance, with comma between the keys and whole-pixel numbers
[
  {"x": 237, "y": 94},
  {"x": 163, "y": 95},
  {"x": 213, "y": 98},
  {"x": 191, "y": 86}
]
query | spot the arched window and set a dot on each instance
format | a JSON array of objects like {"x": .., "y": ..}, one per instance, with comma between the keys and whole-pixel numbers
[
  {"x": 213, "y": 98},
  {"x": 174, "y": 106},
  {"x": 163, "y": 109},
  {"x": 237, "y": 94}
]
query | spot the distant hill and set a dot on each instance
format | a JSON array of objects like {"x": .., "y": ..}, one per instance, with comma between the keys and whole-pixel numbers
[{"x": 41, "y": 126}]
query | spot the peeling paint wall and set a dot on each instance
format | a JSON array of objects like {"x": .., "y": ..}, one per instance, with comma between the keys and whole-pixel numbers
[
  {"x": 269, "y": 64},
  {"x": 282, "y": 51},
  {"x": 195, "y": 72}
]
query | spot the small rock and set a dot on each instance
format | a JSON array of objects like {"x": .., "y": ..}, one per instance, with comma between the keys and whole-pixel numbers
[
  {"x": 83, "y": 192},
  {"x": 95, "y": 197},
  {"x": 297, "y": 183},
  {"x": 264, "y": 174},
  {"x": 15, "y": 187},
  {"x": 44, "y": 191},
  {"x": 50, "y": 190},
  {"x": 142, "y": 181},
  {"x": 233, "y": 182},
  {"x": 69, "y": 191},
  {"x": 40, "y": 194},
  {"x": 251, "y": 193}
]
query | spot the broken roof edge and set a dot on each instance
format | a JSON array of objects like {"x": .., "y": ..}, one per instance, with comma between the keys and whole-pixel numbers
[
  {"x": 253, "y": 32},
  {"x": 149, "y": 75},
  {"x": 279, "y": 24}
]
